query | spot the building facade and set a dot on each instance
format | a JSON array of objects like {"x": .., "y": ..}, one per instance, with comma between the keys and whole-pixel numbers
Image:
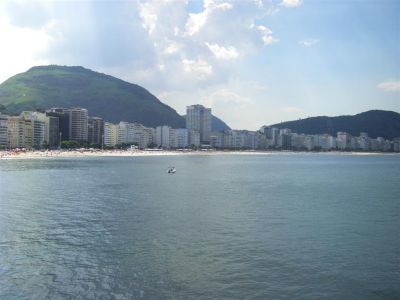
[
  {"x": 95, "y": 131},
  {"x": 199, "y": 118},
  {"x": 3, "y": 132},
  {"x": 110, "y": 134}
]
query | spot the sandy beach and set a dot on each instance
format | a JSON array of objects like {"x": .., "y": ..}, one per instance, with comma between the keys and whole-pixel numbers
[
  {"x": 83, "y": 153},
  {"x": 135, "y": 153}
]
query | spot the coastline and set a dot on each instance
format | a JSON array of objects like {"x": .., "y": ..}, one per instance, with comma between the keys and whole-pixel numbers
[{"x": 141, "y": 153}]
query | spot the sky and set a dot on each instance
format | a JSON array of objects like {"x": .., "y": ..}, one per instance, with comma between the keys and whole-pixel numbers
[{"x": 255, "y": 62}]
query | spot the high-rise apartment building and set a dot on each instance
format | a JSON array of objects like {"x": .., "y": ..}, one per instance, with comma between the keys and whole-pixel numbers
[
  {"x": 3, "y": 131},
  {"x": 73, "y": 123},
  {"x": 34, "y": 130},
  {"x": 198, "y": 118},
  {"x": 144, "y": 136},
  {"x": 15, "y": 131},
  {"x": 63, "y": 122},
  {"x": 110, "y": 134},
  {"x": 344, "y": 140},
  {"x": 163, "y": 136},
  {"x": 95, "y": 130},
  {"x": 78, "y": 124}
]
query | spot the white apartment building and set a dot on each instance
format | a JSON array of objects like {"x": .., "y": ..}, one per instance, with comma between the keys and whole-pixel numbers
[
  {"x": 181, "y": 138},
  {"x": 143, "y": 136},
  {"x": 111, "y": 132},
  {"x": 78, "y": 124},
  {"x": 194, "y": 138},
  {"x": 344, "y": 140},
  {"x": 126, "y": 133},
  {"x": 163, "y": 136},
  {"x": 199, "y": 118},
  {"x": 15, "y": 131},
  {"x": 35, "y": 129}
]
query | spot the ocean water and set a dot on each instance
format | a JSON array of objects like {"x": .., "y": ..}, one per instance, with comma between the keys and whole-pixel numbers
[{"x": 279, "y": 226}]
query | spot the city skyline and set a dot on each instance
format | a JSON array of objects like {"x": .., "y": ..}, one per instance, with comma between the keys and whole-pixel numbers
[
  {"x": 73, "y": 127},
  {"x": 280, "y": 60}
]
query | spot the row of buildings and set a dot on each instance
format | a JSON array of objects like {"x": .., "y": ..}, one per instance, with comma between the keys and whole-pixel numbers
[
  {"x": 36, "y": 130},
  {"x": 196, "y": 133},
  {"x": 285, "y": 139}
]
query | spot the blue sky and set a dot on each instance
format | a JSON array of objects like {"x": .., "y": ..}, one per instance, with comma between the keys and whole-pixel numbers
[{"x": 253, "y": 62}]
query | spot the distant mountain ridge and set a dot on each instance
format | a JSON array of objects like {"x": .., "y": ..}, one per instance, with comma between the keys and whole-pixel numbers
[
  {"x": 377, "y": 123},
  {"x": 103, "y": 95}
]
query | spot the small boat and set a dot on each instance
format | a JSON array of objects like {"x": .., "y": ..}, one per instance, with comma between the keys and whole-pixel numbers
[{"x": 171, "y": 170}]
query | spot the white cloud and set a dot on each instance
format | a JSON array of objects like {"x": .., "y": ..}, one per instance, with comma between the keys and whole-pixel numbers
[
  {"x": 308, "y": 42},
  {"x": 266, "y": 35},
  {"x": 223, "y": 52},
  {"x": 197, "y": 21},
  {"x": 199, "y": 67},
  {"x": 390, "y": 86},
  {"x": 226, "y": 96},
  {"x": 148, "y": 16},
  {"x": 172, "y": 48},
  {"x": 291, "y": 3},
  {"x": 21, "y": 48}
]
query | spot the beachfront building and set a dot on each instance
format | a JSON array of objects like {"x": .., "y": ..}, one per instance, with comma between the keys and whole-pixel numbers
[
  {"x": 126, "y": 133},
  {"x": 144, "y": 136},
  {"x": 194, "y": 138},
  {"x": 131, "y": 134},
  {"x": 3, "y": 131},
  {"x": 78, "y": 124},
  {"x": 51, "y": 129},
  {"x": 284, "y": 140},
  {"x": 199, "y": 118},
  {"x": 34, "y": 130},
  {"x": 63, "y": 122},
  {"x": 271, "y": 136},
  {"x": 15, "y": 132},
  {"x": 163, "y": 136},
  {"x": 95, "y": 131},
  {"x": 110, "y": 134},
  {"x": 73, "y": 123},
  {"x": 238, "y": 139},
  {"x": 181, "y": 138},
  {"x": 344, "y": 140}
]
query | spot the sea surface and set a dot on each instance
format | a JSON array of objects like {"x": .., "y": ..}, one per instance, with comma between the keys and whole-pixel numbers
[{"x": 278, "y": 226}]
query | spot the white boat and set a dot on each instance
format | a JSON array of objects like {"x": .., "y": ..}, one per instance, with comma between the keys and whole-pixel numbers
[{"x": 171, "y": 170}]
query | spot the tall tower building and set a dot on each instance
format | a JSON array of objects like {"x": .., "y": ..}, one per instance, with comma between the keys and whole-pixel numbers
[
  {"x": 198, "y": 118},
  {"x": 95, "y": 130},
  {"x": 15, "y": 131},
  {"x": 3, "y": 131},
  {"x": 78, "y": 124},
  {"x": 73, "y": 123}
]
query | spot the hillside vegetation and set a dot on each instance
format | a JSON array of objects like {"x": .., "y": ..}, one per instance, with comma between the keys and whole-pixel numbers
[
  {"x": 375, "y": 122},
  {"x": 104, "y": 96}
]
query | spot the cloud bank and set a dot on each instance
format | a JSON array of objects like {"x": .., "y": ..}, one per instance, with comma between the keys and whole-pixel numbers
[{"x": 390, "y": 86}]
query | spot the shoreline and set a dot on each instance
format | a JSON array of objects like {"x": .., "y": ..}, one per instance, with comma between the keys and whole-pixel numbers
[{"x": 142, "y": 153}]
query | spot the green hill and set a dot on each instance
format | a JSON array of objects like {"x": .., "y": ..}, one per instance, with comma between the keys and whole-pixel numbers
[
  {"x": 375, "y": 122},
  {"x": 218, "y": 125},
  {"x": 104, "y": 96}
]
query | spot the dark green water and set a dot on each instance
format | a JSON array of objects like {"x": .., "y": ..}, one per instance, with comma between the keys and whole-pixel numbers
[{"x": 302, "y": 226}]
